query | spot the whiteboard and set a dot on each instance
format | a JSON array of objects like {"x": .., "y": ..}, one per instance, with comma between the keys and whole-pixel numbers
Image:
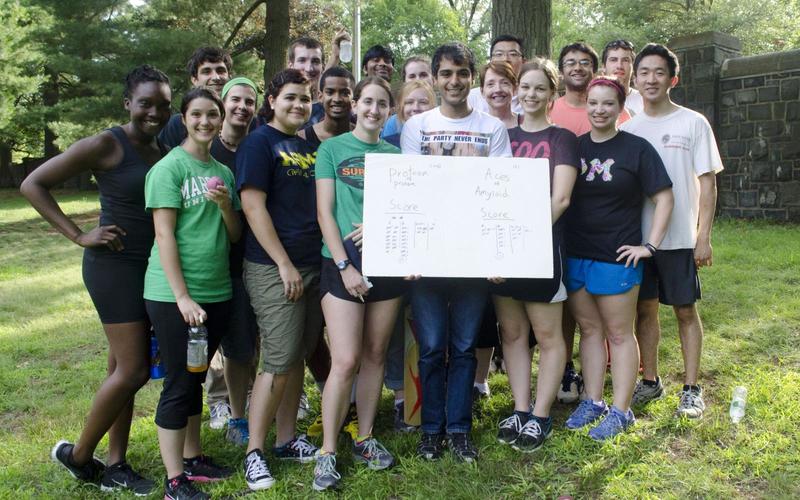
[{"x": 457, "y": 216}]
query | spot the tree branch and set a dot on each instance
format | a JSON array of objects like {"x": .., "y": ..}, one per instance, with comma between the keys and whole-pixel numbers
[{"x": 241, "y": 22}]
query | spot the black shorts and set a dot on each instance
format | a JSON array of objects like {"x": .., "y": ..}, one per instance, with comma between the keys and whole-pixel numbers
[
  {"x": 488, "y": 334},
  {"x": 116, "y": 286},
  {"x": 240, "y": 340},
  {"x": 671, "y": 277},
  {"x": 330, "y": 281},
  {"x": 537, "y": 290}
]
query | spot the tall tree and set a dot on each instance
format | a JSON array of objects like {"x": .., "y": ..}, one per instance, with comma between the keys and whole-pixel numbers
[{"x": 530, "y": 20}]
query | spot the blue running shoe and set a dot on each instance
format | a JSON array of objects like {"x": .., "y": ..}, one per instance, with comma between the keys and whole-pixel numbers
[
  {"x": 238, "y": 431},
  {"x": 615, "y": 422},
  {"x": 586, "y": 413}
]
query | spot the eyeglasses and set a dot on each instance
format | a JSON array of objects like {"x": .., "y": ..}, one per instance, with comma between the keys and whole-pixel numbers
[
  {"x": 619, "y": 44},
  {"x": 507, "y": 54},
  {"x": 571, "y": 63}
]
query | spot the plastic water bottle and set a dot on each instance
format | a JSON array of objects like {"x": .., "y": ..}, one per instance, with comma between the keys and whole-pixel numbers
[
  {"x": 345, "y": 51},
  {"x": 738, "y": 404},
  {"x": 197, "y": 349},
  {"x": 156, "y": 366}
]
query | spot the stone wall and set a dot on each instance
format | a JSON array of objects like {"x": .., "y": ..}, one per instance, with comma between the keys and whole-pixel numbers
[{"x": 753, "y": 104}]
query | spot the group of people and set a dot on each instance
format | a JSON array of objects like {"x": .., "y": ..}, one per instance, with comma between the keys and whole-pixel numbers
[{"x": 248, "y": 222}]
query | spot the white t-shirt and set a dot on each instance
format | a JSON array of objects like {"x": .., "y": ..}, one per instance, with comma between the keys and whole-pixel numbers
[
  {"x": 686, "y": 144},
  {"x": 477, "y": 134},
  {"x": 634, "y": 102},
  {"x": 477, "y": 101}
]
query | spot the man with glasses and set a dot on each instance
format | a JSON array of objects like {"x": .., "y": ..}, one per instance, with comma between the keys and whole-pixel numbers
[
  {"x": 578, "y": 64},
  {"x": 506, "y": 48},
  {"x": 618, "y": 56}
]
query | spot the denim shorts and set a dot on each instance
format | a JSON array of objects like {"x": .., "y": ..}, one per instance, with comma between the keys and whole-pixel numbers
[{"x": 602, "y": 278}]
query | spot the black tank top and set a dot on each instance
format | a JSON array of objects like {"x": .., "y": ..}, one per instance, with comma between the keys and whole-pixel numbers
[
  {"x": 122, "y": 201},
  {"x": 311, "y": 137}
]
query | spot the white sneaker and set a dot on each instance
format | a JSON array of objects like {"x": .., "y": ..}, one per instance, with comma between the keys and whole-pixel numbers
[{"x": 220, "y": 414}]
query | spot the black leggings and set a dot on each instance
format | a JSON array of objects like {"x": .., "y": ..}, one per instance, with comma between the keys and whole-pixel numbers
[{"x": 182, "y": 393}]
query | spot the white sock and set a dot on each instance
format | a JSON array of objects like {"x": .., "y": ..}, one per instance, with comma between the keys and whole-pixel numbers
[{"x": 482, "y": 386}]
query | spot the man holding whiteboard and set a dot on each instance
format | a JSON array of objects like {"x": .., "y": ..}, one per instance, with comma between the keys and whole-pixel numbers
[{"x": 450, "y": 307}]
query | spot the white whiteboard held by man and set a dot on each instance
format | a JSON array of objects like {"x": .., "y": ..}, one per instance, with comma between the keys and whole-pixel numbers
[{"x": 457, "y": 216}]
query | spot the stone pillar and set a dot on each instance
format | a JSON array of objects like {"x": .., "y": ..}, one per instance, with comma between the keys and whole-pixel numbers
[{"x": 701, "y": 57}]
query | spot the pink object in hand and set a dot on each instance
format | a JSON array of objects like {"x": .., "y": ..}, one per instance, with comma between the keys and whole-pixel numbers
[{"x": 214, "y": 183}]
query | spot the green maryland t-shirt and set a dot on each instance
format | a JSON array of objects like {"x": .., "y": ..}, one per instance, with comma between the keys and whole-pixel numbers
[
  {"x": 179, "y": 181},
  {"x": 342, "y": 158}
]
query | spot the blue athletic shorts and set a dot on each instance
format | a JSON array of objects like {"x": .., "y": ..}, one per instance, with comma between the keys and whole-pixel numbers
[{"x": 602, "y": 278}]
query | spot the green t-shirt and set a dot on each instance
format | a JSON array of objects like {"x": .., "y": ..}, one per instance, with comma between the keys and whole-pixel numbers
[
  {"x": 179, "y": 181},
  {"x": 342, "y": 158}
]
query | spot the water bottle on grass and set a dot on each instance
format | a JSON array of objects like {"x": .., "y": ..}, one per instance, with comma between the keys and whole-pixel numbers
[
  {"x": 738, "y": 403},
  {"x": 197, "y": 349}
]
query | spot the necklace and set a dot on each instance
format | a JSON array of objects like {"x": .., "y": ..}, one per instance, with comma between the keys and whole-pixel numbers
[{"x": 227, "y": 144}]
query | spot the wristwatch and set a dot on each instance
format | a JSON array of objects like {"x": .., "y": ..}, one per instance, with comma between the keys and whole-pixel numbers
[{"x": 342, "y": 264}]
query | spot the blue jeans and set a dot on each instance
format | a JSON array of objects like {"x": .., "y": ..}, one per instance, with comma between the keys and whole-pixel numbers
[{"x": 447, "y": 314}]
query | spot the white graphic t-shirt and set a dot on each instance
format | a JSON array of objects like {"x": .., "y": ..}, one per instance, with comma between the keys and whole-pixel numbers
[
  {"x": 477, "y": 134},
  {"x": 686, "y": 144}
]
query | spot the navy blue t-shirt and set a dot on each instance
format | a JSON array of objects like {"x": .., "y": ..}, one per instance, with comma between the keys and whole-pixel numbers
[
  {"x": 282, "y": 166},
  {"x": 606, "y": 208}
]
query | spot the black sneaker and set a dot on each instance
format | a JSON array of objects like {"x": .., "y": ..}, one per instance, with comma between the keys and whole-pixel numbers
[
  {"x": 431, "y": 446},
  {"x": 90, "y": 472},
  {"x": 181, "y": 488},
  {"x": 256, "y": 471},
  {"x": 400, "y": 424},
  {"x": 461, "y": 446},
  {"x": 533, "y": 434},
  {"x": 508, "y": 429},
  {"x": 121, "y": 476},
  {"x": 202, "y": 469}
]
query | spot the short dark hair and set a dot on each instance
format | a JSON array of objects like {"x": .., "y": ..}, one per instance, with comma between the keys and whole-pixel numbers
[
  {"x": 142, "y": 74},
  {"x": 412, "y": 59},
  {"x": 208, "y": 54},
  {"x": 281, "y": 78},
  {"x": 201, "y": 93},
  {"x": 377, "y": 52},
  {"x": 373, "y": 80},
  {"x": 336, "y": 72},
  {"x": 656, "y": 49},
  {"x": 617, "y": 44},
  {"x": 456, "y": 52},
  {"x": 579, "y": 47},
  {"x": 505, "y": 38},
  {"x": 303, "y": 41}
]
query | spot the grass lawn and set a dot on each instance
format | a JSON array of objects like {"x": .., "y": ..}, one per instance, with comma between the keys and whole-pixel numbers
[{"x": 52, "y": 358}]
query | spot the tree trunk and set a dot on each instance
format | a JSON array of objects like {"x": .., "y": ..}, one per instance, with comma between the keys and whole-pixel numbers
[
  {"x": 530, "y": 20},
  {"x": 6, "y": 179},
  {"x": 50, "y": 99},
  {"x": 277, "y": 39}
]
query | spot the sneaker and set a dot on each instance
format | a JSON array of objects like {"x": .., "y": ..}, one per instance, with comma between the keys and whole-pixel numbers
[
  {"x": 303, "y": 408},
  {"x": 643, "y": 393},
  {"x": 615, "y": 422},
  {"x": 256, "y": 471},
  {"x": 533, "y": 434},
  {"x": 372, "y": 453},
  {"x": 121, "y": 476},
  {"x": 508, "y": 429},
  {"x": 314, "y": 429},
  {"x": 586, "y": 413},
  {"x": 461, "y": 446},
  {"x": 219, "y": 415},
  {"x": 180, "y": 488},
  {"x": 351, "y": 423},
  {"x": 400, "y": 424},
  {"x": 691, "y": 404},
  {"x": 238, "y": 432},
  {"x": 431, "y": 446},
  {"x": 299, "y": 449},
  {"x": 571, "y": 386},
  {"x": 202, "y": 469},
  {"x": 88, "y": 473},
  {"x": 325, "y": 475}
]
